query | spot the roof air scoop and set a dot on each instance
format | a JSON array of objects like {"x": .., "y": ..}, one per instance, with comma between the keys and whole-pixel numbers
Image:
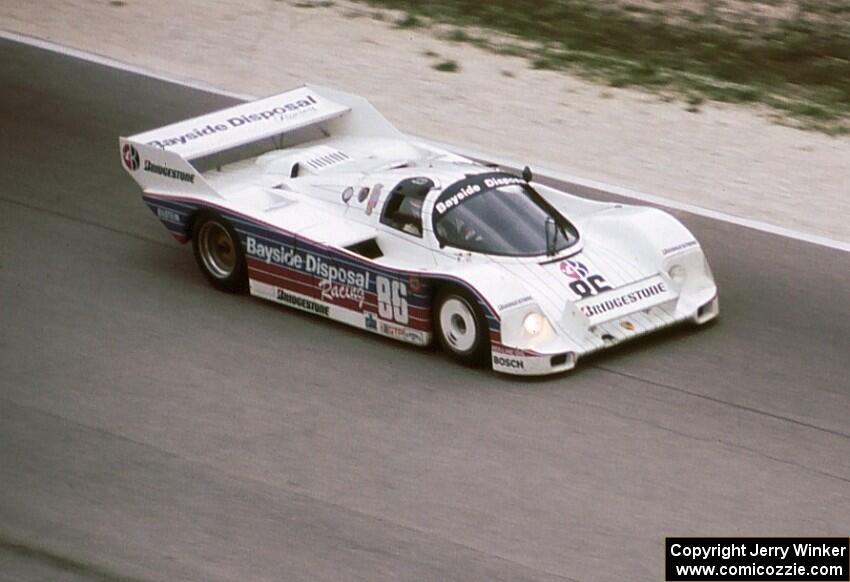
[
  {"x": 321, "y": 158},
  {"x": 302, "y": 162}
]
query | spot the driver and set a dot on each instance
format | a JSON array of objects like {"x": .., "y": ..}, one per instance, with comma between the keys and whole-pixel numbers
[
  {"x": 457, "y": 229},
  {"x": 467, "y": 232},
  {"x": 411, "y": 213}
]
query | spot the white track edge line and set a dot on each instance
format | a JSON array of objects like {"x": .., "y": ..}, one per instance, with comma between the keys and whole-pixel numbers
[{"x": 549, "y": 172}]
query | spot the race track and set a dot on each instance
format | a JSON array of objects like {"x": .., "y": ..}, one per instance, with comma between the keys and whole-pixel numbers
[{"x": 152, "y": 428}]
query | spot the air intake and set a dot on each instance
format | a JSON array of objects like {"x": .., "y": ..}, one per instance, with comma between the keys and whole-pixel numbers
[{"x": 321, "y": 158}]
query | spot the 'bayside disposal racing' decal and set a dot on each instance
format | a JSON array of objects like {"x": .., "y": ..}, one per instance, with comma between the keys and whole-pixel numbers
[
  {"x": 280, "y": 111},
  {"x": 330, "y": 277},
  {"x": 241, "y": 124},
  {"x": 326, "y": 281},
  {"x": 460, "y": 191}
]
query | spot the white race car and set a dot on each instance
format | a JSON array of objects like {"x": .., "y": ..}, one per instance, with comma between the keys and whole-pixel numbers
[{"x": 312, "y": 199}]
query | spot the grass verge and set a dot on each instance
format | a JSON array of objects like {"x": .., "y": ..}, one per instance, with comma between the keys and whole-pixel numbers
[{"x": 791, "y": 55}]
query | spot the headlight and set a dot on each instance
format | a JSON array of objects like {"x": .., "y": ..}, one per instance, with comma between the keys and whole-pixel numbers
[
  {"x": 677, "y": 274},
  {"x": 533, "y": 323}
]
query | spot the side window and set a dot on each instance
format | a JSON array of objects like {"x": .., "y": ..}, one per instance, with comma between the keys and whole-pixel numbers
[
  {"x": 403, "y": 209},
  {"x": 404, "y": 213}
]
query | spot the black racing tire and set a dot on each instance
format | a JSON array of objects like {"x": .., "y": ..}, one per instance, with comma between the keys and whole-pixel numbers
[
  {"x": 219, "y": 253},
  {"x": 461, "y": 327}
]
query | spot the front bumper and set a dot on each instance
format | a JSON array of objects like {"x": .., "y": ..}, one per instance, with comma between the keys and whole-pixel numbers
[
  {"x": 562, "y": 355},
  {"x": 531, "y": 364}
]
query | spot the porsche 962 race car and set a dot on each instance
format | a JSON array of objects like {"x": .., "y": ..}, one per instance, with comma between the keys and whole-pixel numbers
[{"x": 312, "y": 199}]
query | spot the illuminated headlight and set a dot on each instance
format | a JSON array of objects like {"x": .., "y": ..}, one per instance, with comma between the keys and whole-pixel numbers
[
  {"x": 677, "y": 274},
  {"x": 533, "y": 323}
]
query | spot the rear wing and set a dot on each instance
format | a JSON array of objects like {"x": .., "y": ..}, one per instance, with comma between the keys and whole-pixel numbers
[{"x": 158, "y": 160}]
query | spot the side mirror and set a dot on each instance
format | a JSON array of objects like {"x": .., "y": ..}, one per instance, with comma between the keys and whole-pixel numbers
[{"x": 526, "y": 174}]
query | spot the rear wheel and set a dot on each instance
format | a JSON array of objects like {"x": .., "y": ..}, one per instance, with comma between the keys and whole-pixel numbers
[
  {"x": 219, "y": 253},
  {"x": 461, "y": 327}
]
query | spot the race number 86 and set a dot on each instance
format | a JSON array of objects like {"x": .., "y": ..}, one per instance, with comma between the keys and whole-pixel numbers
[{"x": 392, "y": 299}]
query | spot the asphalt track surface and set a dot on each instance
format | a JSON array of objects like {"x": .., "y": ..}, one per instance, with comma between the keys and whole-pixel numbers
[{"x": 152, "y": 428}]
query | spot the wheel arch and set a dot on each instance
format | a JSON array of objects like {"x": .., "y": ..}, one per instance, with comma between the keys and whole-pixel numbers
[
  {"x": 438, "y": 283},
  {"x": 441, "y": 283},
  {"x": 237, "y": 281},
  {"x": 198, "y": 212}
]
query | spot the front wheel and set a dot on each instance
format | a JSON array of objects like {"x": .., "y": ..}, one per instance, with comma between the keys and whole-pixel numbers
[
  {"x": 461, "y": 327},
  {"x": 219, "y": 253}
]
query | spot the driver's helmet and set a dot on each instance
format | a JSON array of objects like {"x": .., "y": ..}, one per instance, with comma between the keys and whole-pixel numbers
[{"x": 411, "y": 206}]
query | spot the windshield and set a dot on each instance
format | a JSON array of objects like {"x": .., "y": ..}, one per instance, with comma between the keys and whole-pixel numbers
[{"x": 500, "y": 214}]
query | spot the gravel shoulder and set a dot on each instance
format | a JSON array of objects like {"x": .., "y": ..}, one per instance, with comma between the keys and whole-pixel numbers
[{"x": 726, "y": 158}]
